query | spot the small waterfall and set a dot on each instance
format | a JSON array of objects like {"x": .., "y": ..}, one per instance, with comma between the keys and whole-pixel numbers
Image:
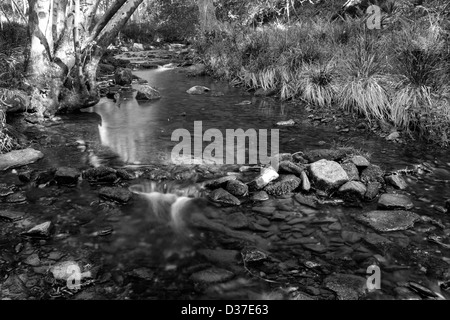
[{"x": 172, "y": 202}]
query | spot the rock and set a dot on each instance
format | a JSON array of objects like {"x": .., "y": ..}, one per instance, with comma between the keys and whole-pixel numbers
[
  {"x": 220, "y": 256},
  {"x": 253, "y": 254},
  {"x": 260, "y": 196},
  {"x": 309, "y": 201},
  {"x": 138, "y": 47},
  {"x": 352, "y": 171},
  {"x": 123, "y": 77},
  {"x": 143, "y": 273},
  {"x": 393, "y": 136},
  {"x": 105, "y": 68},
  {"x": 372, "y": 173},
  {"x": 267, "y": 175},
  {"x": 220, "y": 182},
  {"x": 353, "y": 190},
  {"x": 67, "y": 176},
  {"x": 212, "y": 275},
  {"x": 328, "y": 175},
  {"x": 100, "y": 174},
  {"x": 396, "y": 181},
  {"x": 346, "y": 286},
  {"x": 11, "y": 216},
  {"x": 217, "y": 94},
  {"x": 306, "y": 185},
  {"x": 39, "y": 231},
  {"x": 222, "y": 196},
  {"x": 265, "y": 93},
  {"x": 236, "y": 220},
  {"x": 290, "y": 167},
  {"x": 319, "y": 248},
  {"x": 351, "y": 236},
  {"x": 18, "y": 158},
  {"x": 237, "y": 188},
  {"x": 373, "y": 188},
  {"x": 325, "y": 154},
  {"x": 33, "y": 260},
  {"x": 197, "y": 90},
  {"x": 17, "y": 197},
  {"x": 14, "y": 288},
  {"x": 395, "y": 201},
  {"x": 147, "y": 93},
  {"x": 124, "y": 174},
  {"x": 378, "y": 243},
  {"x": 63, "y": 270},
  {"x": 286, "y": 123},
  {"x": 115, "y": 194},
  {"x": 283, "y": 185},
  {"x": 386, "y": 221},
  {"x": 298, "y": 157},
  {"x": 360, "y": 162}
]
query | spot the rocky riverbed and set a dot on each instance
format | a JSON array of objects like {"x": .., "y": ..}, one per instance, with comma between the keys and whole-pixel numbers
[{"x": 308, "y": 228}]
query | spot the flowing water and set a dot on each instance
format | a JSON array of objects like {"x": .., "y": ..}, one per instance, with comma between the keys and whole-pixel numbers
[{"x": 149, "y": 232}]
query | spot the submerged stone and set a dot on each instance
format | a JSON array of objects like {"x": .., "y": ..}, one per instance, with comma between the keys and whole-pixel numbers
[
  {"x": 396, "y": 181},
  {"x": 212, "y": 275},
  {"x": 395, "y": 201},
  {"x": 197, "y": 90},
  {"x": 115, "y": 194},
  {"x": 387, "y": 221},
  {"x": 18, "y": 158},
  {"x": 237, "y": 188},
  {"x": 346, "y": 286}
]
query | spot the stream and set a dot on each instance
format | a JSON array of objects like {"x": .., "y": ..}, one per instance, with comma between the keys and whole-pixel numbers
[{"x": 132, "y": 250}]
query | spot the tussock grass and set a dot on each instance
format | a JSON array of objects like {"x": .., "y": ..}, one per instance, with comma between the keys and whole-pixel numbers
[{"x": 399, "y": 75}]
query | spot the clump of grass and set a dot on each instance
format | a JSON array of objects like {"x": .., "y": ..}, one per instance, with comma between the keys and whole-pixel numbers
[
  {"x": 318, "y": 85},
  {"x": 7, "y": 143},
  {"x": 363, "y": 85}
]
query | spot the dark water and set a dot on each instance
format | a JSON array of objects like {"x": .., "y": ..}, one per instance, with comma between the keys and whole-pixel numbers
[{"x": 132, "y": 133}]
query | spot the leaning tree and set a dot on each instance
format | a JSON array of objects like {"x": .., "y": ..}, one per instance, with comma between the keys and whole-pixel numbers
[{"x": 68, "y": 40}]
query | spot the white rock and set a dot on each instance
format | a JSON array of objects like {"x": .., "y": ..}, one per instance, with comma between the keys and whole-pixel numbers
[{"x": 328, "y": 175}]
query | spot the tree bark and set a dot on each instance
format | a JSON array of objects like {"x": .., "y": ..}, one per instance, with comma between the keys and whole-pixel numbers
[
  {"x": 208, "y": 19},
  {"x": 66, "y": 48}
]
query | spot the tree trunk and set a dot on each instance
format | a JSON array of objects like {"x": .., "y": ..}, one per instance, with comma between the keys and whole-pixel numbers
[
  {"x": 66, "y": 47},
  {"x": 207, "y": 18}
]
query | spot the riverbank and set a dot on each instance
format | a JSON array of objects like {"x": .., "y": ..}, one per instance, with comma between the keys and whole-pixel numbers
[{"x": 395, "y": 78}]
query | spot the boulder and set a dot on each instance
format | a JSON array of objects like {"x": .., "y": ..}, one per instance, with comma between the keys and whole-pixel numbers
[
  {"x": 147, "y": 92},
  {"x": 372, "y": 173},
  {"x": 290, "y": 167},
  {"x": 396, "y": 181},
  {"x": 373, "y": 188},
  {"x": 197, "y": 90},
  {"x": 328, "y": 175},
  {"x": 123, "y": 77},
  {"x": 260, "y": 196},
  {"x": 224, "y": 197},
  {"x": 353, "y": 190},
  {"x": 18, "y": 158},
  {"x": 283, "y": 185},
  {"x": 360, "y": 162},
  {"x": 67, "y": 176},
  {"x": 352, "y": 170},
  {"x": 395, "y": 201},
  {"x": 237, "y": 188},
  {"x": 266, "y": 176}
]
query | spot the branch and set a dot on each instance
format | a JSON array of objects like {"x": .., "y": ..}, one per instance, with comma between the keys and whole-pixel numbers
[{"x": 104, "y": 21}]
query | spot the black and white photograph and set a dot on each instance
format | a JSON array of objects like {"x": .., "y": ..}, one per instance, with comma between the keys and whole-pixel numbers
[{"x": 213, "y": 158}]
